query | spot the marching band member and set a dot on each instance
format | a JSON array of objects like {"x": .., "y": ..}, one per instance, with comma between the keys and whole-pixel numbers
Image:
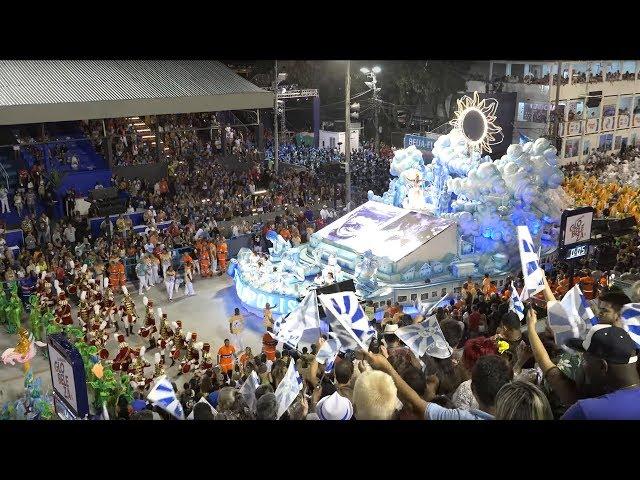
[
  {"x": 192, "y": 355},
  {"x": 109, "y": 305},
  {"x": 127, "y": 311},
  {"x": 166, "y": 334},
  {"x": 122, "y": 359},
  {"x": 149, "y": 329},
  {"x": 178, "y": 342}
]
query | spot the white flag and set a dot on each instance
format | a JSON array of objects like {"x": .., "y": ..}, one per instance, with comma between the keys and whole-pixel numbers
[
  {"x": 425, "y": 337},
  {"x": 328, "y": 352},
  {"x": 515, "y": 303},
  {"x": 163, "y": 395},
  {"x": 630, "y": 316},
  {"x": 576, "y": 304},
  {"x": 347, "y": 320},
  {"x": 563, "y": 324},
  {"x": 248, "y": 390},
  {"x": 303, "y": 318},
  {"x": 443, "y": 302},
  {"x": 531, "y": 270},
  {"x": 288, "y": 389},
  {"x": 202, "y": 400}
]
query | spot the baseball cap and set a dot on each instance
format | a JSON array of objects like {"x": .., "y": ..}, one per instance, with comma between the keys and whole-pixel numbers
[{"x": 607, "y": 342}]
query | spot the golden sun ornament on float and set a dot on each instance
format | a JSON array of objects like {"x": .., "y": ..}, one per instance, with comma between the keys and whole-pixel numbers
[{"x": 475, "y": 119}]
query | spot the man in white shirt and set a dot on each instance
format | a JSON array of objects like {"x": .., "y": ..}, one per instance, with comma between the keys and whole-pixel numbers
[
  {"x": 324, "y": 213},
  {"x": 70, "y": 234},
  {"x": 4, "y": 199},
  {"x": 235, "y": 231}
]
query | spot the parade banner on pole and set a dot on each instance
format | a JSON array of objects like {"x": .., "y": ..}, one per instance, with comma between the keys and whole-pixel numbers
[{"x": 531, "y": 270}]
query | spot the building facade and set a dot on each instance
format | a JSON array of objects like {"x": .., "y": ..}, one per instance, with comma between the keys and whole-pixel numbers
[{"x": 598, "y": 107}]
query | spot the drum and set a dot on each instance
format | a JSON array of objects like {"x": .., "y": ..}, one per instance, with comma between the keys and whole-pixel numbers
[
  {"x": 72, "y": 289},
  {"x": 186, "y": 368},
  {"x": 103, "y": 353},
  {"x": 144, "y": 332}
]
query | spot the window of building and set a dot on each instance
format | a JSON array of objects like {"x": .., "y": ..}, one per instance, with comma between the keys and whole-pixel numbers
[
  {"x": 443, "y": 292},
  {"x": 629, "y": 70},
  {"x": 402, "y": 298},
  {"x": 576, "y": 109},
  {"x": 424, "y": 296},
  {"x": 414, "y": 297},
  {"x": 613, "y": 71},
  {"x": 571, "y": 146},
  {"x": 609, "y": 108},
  {"x": 500, "y": 283},
  {"x": 579, "y": 73},
  {"x": 606, "y": 142},
  {"x": 457, "y": 290},
  {"x": 624, "y": 106},
  {"x": 434, "y": 294},
  {"x": 586, "y": 146},
  {"x": 532, "y": 112}
]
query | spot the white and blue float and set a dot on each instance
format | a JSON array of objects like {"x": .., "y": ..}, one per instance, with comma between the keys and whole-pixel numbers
[{"x": 436, "y": 225}]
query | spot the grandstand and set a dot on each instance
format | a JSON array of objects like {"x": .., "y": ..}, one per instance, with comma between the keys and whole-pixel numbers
[{"x": 44, "y": 105}]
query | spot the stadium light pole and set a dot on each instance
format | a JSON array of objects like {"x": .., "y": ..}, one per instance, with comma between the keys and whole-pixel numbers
[
  {"x": 347, "y": 134},
  {"x": 371, "y": 73},
  {"x": 275, "y": 118},
  {"x": 278, "y": 77}
]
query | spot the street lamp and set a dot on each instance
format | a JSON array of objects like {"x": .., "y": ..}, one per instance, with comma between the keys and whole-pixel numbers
[
  {"x": 371, "y": 73},
  {"x": 279, "y": 77}
]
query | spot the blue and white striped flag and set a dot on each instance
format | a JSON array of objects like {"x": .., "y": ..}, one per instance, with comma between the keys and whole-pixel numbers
[
  {"x": 163, "y": 395},
  {"x": 443, "y": 302},
  {"x": 206, "y": 402},
  {"x": 248, "y": 390},
  {"x": 563, "y": 324},
  {"x": 575, "y": 303},
  {"x": 630, "y": 316},
  {"x": 425, "y": 337},
  {"x": 303, "y": 318},
  {"x": 328, "y": 352},
  {"x": 347, "y": 320},
  {"x": 530, "y": 261},
  {"x": 288, "y": 388},
  {"x": 515, "y": 303}
]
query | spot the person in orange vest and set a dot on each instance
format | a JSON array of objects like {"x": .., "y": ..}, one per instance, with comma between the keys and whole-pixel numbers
[
  {"x": 164, "y": 186},
  {"x": 563, "y": 286},
  {"x": 222, "y": 256},
  {"x": 226, "y": 357},
  {"x": 246, "y": 356},
  {"x": 117, "y": 276},
  {"x": 486, "y": 284},
  {"x": 205, "y": 263},
  {"x": 269, "y": 345},
  {"x": 587, "y": 285},
  {"x": 213, "y": 255}
]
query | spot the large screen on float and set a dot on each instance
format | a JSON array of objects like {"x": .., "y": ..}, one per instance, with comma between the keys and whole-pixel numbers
[{"x": 386, "y": 230}]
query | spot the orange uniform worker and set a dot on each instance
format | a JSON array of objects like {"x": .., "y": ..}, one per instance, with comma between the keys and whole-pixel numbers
[
  {"x": 117, "y": 277},
  {"x": 587, "y": 285},
  {"x": 221, "y": 252},
  {"x": 226, "y": 356},
  {"x": 246, "y": 356},
  {"x": 205, "y": 264},
  {"x": 269, "y": 345}
]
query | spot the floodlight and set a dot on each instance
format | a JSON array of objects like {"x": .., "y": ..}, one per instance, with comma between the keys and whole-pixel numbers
[
  {"x": 364, "y": 70},
  {"x": 376, "y": 69}
]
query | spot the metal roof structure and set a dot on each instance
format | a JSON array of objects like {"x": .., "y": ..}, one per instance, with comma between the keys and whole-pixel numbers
[{"x": 36, "y": 91}]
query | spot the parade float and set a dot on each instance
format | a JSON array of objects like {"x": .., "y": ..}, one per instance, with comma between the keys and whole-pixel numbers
[{"x": 436, "y": 225}]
